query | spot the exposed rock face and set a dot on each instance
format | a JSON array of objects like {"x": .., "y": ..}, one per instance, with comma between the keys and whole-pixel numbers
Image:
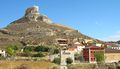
[
  {"x": 46, "y": 19},
  {"x": 32, "y": 13}
]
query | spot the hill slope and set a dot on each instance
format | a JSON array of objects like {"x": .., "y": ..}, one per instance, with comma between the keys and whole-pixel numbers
[{"x": 35, "y": 28}]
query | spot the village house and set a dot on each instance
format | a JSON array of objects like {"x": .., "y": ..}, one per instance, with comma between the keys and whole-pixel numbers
[
  {"x": 115, "y": 47},
  {"x": 2, "y": 53},
  {"x": 112, "y": 46},
  {"x": 64, "y": 55},
  {"x": 62, "y": 42},
  {"x": 89, "y": 53},
  {"x": 112, "y": 55},
  {"x": 79, "y": 47},
  {"x": 99, "y": 44},
  {"x": 108, "y": 45}
]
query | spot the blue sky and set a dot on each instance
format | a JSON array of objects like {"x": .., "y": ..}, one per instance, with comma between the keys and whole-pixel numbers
[{"x": 96, "y": 18}]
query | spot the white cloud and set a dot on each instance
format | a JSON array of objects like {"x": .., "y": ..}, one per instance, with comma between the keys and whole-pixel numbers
[{"x": 114, "y": 37}]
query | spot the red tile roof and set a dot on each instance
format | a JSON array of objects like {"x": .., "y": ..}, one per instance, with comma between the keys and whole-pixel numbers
[
  {"x": 109, "y": 50},
  {"x": 93, "y": 46},
  {"x": 71, "y": 49}
]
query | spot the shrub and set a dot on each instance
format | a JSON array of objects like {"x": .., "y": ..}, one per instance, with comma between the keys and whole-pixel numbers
[
  {"x": 56, "y": 60},
  {"x": 41, "y": 49},
  {"x": 77, "y": 56},
  {"x": 69, "y": 60},
  {"x": 56, "y": 51},
  {"x": 27, "y": 51},
  {"x": 40, "y": 54},
  {"x": 10, "y": 51},
  {"x": 99, "y": 56}
]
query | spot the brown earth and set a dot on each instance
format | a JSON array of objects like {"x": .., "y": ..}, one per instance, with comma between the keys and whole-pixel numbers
[{"x": 27, "y": 64}]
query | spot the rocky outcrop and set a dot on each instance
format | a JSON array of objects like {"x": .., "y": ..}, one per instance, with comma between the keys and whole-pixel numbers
[
  {"x": 33, "y": 14},
  {"x": 4, "y": 31}
]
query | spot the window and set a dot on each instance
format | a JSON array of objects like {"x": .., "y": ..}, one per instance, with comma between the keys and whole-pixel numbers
[{"x": 92, "y": 59}]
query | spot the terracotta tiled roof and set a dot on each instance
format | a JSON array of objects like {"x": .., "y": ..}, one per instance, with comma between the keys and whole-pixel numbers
[
  {"x": 108, "y": 44},
  {"x": 71, "y": 49},
  {"x": 115, "y": 46},
  {"x": 93, "y": 46},
  {"x": 109, "y": 50}
]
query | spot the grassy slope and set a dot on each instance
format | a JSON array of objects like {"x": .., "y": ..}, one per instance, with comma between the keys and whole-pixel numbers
[{"x": 28, "y": 64}]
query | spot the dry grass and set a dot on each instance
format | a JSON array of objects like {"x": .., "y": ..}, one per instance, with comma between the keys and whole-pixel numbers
[{"x": 28, "y": 64}]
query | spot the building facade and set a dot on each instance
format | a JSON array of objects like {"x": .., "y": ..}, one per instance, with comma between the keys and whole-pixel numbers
[
  {"x": 64, "y": 55},
  {"x": 2, "y": 53},
  {"x": 89, "y": 53},
  {"x": 62, "y": 42},
  {"x": 79, "y": 47}
]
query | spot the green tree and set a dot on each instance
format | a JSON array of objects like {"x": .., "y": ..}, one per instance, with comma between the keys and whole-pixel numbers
[
  {"x": 69, "y": 60},
  {"x": 10, "y": 51},
  {"x": 77, "y": 56},
  {"x": 41, "y": 49},
  {"x": 56, "y": 60},
  {"x": 27, "y": 51},
  {"x": 14, "y": 47},
  {"x": 56, "y": 51},
  {"x": 99, "y": 56}
]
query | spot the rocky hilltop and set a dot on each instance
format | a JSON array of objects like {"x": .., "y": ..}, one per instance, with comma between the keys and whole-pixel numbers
[{"x": 35, "y": 28}]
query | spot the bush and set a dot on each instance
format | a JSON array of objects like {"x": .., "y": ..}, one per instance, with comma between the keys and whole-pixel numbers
[
  {"x": 10, "y": 51},
  {"x": 69, "y": 60},
  {"x": 41, "y": 49},
  {"x": 13, "y": 47},
  {"x": 56, "y": 60},
  {"x": 77, "y": 56},
  {"x": 40, "y": 54},
  {"x": 27, "y": 49},
  {"x": 56, "y": 51},
  {"x": 99, "y": 56}
]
